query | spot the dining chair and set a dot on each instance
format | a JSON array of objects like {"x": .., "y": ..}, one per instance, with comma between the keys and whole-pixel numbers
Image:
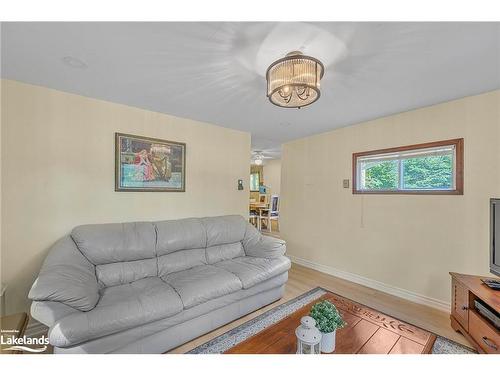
[
  {"x": 270, "y": 214},
  {"x": 253, "y": 218}
]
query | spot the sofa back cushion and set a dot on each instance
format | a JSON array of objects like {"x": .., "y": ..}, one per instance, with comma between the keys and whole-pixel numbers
[
  {"x": 123, "y": 253},
  {"x": 218, "y": 253},
  {"x": 180, "y": 260},
  {"x": 119, "y": 273},
  {"x": 223, "y": 230},
  {"x": 187, "y": 243},
  {"x": 111, "y": 243},
  {"x": 183, "y": 234}
]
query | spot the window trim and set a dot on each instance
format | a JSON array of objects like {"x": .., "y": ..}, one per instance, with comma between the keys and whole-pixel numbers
[{"x": 459, "y": 168}]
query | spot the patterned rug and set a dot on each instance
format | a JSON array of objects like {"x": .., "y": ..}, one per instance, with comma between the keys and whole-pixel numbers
[{"x": 236, "y": 335}]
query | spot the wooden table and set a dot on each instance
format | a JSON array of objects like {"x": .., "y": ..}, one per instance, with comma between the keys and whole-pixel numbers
[
  {"x": 258, "y": 206},
  {"x": 367, "y": 332}
]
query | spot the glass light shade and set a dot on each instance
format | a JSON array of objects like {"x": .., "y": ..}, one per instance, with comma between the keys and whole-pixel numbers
[{"x": 294, "y": 81}]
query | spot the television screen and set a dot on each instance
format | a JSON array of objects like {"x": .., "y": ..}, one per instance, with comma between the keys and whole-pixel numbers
[{"x": 495, "y": 236}]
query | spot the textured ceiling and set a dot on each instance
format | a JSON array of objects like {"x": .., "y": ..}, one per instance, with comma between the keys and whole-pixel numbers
[{"x": 214, "y": 72}]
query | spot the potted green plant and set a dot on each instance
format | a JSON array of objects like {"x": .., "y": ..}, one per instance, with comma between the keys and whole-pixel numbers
[{"x": 328, "y": 320}]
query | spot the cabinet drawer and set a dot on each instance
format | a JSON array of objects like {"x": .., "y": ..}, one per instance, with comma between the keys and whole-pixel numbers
[
  {"x": 460, "y": 303},
  {"x": 486, "y": 336}
]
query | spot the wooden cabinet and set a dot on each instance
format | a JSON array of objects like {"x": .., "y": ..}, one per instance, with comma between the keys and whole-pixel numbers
[
  {"x": 484, "y": 334},
  {"x": 465, "y": 290},
  {"x": 460, "y": 303}
]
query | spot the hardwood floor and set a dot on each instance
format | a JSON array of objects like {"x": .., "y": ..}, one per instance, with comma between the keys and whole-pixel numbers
[{"x": 302, "y": 279}]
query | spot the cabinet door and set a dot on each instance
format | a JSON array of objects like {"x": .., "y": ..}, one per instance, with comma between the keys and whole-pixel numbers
[{"x": 460, "y": 303}]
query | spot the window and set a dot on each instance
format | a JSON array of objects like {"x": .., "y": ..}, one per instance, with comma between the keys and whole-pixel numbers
[
  {"x": 254, "y": 181},
  {"x": 430, "y": 168}
]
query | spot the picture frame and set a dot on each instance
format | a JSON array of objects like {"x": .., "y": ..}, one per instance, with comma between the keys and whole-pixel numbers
[{"x": 145, "y": 164}]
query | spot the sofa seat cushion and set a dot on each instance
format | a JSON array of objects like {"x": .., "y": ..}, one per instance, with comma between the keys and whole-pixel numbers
[
  {"x": 253, "y": 270},
  {"x": 120, "y": 307},
  {"x": 202, "y": 283},
  {"x": 137, "y": 336}
]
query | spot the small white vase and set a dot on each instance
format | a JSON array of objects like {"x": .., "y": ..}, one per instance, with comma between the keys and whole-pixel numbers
[{"x": 328, "y": 342}]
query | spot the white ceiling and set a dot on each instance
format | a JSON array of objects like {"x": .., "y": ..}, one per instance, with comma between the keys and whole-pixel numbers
[{"x": 214, "y": 72}]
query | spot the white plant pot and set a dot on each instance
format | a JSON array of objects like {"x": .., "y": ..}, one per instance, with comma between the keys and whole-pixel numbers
[{"x": 328, "y": 342}]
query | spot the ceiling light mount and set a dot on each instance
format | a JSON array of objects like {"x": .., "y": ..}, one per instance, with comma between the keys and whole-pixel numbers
[
  {"x": 294, "y": 80},
  {"x": 74, "y": 62}
]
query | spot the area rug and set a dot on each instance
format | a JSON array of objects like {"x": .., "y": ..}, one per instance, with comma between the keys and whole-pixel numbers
[{"x": 236, "y": 335}]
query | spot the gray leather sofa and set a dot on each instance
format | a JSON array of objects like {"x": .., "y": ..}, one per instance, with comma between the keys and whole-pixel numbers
[{"x": 148, "y": 287}]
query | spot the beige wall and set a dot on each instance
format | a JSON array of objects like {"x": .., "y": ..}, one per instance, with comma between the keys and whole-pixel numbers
[
  {"x": 272, "y": 176},
  {"x": 406, "y": 241},
  {"x": 2, "y": 307},
  {"x": 58, "y": 172}
]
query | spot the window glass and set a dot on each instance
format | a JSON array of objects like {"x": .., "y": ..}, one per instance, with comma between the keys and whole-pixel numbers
[
  {"x": 254, "y": 181},
  {"x": 379, "y": 175}
]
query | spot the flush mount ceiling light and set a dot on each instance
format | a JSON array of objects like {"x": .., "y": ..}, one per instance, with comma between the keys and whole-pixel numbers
[
  {"x": 294, "y": 81},
  {"x": 73, "y": 62}
]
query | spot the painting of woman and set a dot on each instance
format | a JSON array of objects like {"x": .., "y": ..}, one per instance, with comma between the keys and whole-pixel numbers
[{"x": 143, "y": 166}]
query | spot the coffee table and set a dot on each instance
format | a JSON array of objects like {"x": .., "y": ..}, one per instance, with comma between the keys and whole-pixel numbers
[{"x": 368, "y": 331}]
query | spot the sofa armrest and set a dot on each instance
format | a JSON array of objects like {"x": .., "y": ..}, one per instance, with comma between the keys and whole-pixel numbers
[
  {"x": 67, "y": 277},
  {"x": 266, "y": 247},
  {"x": 49, "y": 312}
]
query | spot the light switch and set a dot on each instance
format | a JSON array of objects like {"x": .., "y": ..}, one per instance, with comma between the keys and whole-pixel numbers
[{"x": 345, "y": 183}]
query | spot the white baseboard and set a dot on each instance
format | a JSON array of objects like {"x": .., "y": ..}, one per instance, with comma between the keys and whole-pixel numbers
[{"x": 374, "y": 284}]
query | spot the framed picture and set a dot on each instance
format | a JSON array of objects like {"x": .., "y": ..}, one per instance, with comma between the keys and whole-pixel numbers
[{"x": 149, "y": 164}]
